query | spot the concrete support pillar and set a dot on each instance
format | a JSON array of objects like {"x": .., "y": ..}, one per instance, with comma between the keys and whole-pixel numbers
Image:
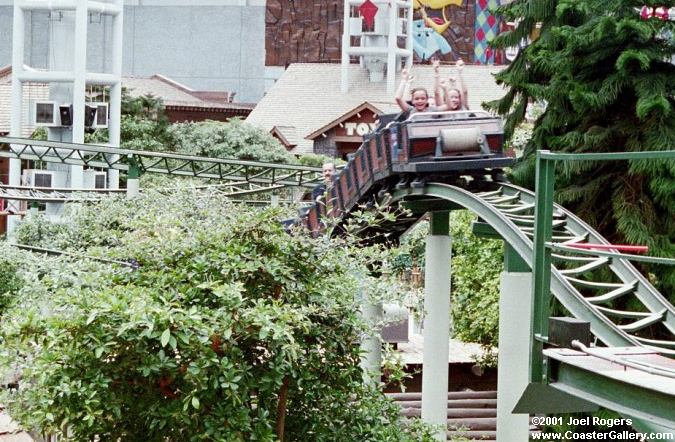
[
  {"x": 346, "y": 44},
  {"x": 392, "y": 48},
  {"x": 371, "y": 345},
  {"x": 133, "y": 179},
  {"x": 18, "y": 41},
  {"x": 436, "y": 323},
  {"x": 514, "y": 356},
  {"x": 114, "y": 122}
]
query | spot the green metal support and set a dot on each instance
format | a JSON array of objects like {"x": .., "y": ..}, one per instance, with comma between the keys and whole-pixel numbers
[
  {"x": 541, "y": 280},
  {"x": 652, "y": 405},
  {"x": 439, "y": 223},
  {"x": 134, "y": 168},
  {"x": 513, "y": 262}
]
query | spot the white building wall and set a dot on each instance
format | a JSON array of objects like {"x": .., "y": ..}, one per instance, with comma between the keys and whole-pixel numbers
[{"x": 204, "y": 44}]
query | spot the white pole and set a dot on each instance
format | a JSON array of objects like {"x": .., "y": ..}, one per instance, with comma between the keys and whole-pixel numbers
[
  {"x": 436, "y": 331},
  {"x": 346, "y": 44},
  {"x": 392, "y": 48},
  {"x": 371, "y": 344},
  {"x": 133, "y": 187},
  {"x": 18, "y": 35},
  {"x": 514, "y": 355},
  {"x": 116, "y": 93},
  {"x": 408, "y": 37},
  {"x": 79, "y": 85}
]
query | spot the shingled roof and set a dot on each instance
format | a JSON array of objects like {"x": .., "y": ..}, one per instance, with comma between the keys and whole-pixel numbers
[{"x": 308, "y": 97}]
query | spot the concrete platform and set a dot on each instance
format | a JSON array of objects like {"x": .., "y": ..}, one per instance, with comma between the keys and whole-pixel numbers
[{"x": 460, "y": 352}]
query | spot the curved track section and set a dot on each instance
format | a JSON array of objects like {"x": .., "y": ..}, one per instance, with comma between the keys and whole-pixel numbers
[{"x": 510, "y": 211}]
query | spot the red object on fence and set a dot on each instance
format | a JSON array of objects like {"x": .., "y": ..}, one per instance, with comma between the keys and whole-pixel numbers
[{"x": 619, "y": 247}]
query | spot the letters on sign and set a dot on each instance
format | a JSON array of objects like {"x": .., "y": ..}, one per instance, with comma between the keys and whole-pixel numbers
[{"x": 360, "y": 128}]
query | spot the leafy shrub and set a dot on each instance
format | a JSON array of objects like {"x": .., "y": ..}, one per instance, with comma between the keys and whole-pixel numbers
[
  {"x": 232, "y": 139},
  {"x": 476, "y": 265},
  {"x": 222, "y": 327},
  {"x": 11, "y": 281}
]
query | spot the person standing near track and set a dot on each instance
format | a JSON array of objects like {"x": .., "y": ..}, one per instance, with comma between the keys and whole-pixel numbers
[{"x": 328, "y": 171}]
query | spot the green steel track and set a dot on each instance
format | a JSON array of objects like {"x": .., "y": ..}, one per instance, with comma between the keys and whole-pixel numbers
[
  {"x": 89, "y": 155},
  {"x": 509, "y": 210}
]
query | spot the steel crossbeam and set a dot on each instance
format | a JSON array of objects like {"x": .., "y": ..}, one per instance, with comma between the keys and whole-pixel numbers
[{"x": 161, "y": 162}]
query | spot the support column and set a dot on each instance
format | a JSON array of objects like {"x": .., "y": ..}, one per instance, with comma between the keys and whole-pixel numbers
[
  {"x": 79, "y": 86},
  {"x": 18, "y": 40},
  {"x": 514, "y": 337},
  {"x": 116, "y": 92},
  {"x": 346, "y": 44},
  {"x": 133, "y": 177},
  {"x": 436, "y": 323},
  {"x": 392, "y": 48},
  {"x": 371, "y": 345}
]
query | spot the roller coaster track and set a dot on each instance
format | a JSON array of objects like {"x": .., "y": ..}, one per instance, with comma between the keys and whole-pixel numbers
[
  {"x": 269, "y": 174},
  {"x": 63, "y": 195},
  {"x": 508, "y": 209}
]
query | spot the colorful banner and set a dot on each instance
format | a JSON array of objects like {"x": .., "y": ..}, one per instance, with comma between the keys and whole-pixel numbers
[{"x": 487, "y": 28}]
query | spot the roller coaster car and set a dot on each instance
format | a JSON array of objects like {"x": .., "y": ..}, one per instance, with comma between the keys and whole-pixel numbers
[
  {"x": 429, "y": 142},
  {"x": 347, "y": 185},
  {"x": 449, "y": 141},
  {"x": 312, "y": 220},
  {"x": 377, "y": 154},
  {"x": 333, "y": 204}
]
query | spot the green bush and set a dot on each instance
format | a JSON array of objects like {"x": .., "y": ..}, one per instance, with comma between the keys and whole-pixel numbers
[
  {"x": 232, "y": 139},
  {"x": 11, "y": 262},
  {"x": 476, "y": 265},
  {"x": 222, "y": 327}
]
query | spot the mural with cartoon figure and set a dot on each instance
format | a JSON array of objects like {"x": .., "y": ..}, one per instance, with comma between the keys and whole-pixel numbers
[
  {"x": 455, "y": 29},
  {"x": 439, "y": 29},
  {"x": 306, "y": 31}
]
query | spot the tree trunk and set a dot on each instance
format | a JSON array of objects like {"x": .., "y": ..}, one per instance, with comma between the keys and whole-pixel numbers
[{"x": 281, "y": 409}]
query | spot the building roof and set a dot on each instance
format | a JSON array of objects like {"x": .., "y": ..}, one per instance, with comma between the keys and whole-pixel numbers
[
  {"x": 342, "y": 118},
  {"x": 177, "y": 95},
  {"x": 308, "y": 96},
  {"x": 288, "y": 135}
]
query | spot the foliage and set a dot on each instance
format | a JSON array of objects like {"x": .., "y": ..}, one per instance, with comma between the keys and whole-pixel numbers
[
  {"x": 222, "y": 327},
  {"x": 318, "y": 160},
  {"x": 39, "y": 134},
  {"x": 476, "y": 265},
  {"x": 608, "y": 79},
  {"x": 520, "y": 139},
  {"x": 11, "y": 280},
  {"x": 232, "y": 139},
  {"x": 394, "y": 368},
  {"x": 143, "y": 124}
]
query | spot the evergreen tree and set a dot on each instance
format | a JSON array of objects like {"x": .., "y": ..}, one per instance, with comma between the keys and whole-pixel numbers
[{"x": 606, "y": 72}]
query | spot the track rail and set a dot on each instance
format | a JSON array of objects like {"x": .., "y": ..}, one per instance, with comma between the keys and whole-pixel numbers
[
  {"x": 160, "y": 162},
  {"x": 510, "y": 211}
]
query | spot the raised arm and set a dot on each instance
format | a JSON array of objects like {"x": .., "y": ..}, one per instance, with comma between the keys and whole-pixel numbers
[
  {"x": 443, "y": 92},
  {"x": 462, "y": 85},
  {"x": 402, "y": 90},
  {"x": 438, "y": 92}
]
